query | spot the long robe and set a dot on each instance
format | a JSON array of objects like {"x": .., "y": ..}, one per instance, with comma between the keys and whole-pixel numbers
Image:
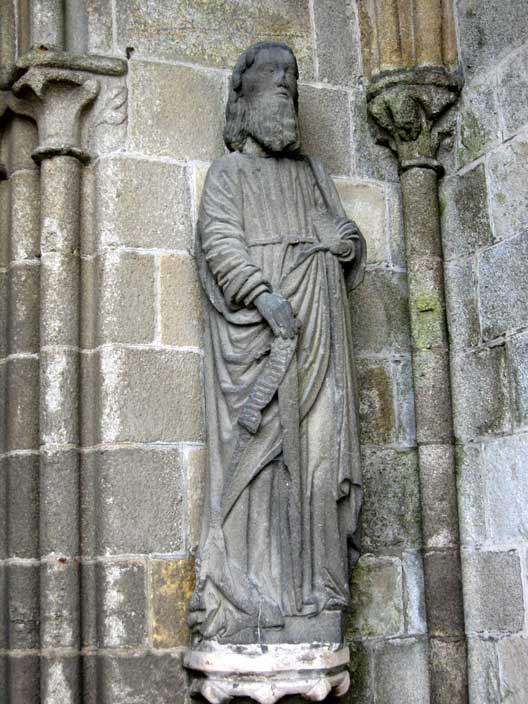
[{"x": 282, "y": 502}]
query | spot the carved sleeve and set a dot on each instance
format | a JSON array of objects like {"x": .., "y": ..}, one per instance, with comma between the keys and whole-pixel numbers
[{"x": 222, "y": 237}]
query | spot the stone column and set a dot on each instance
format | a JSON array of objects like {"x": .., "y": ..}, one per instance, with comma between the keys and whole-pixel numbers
[
  {"x": 408, "y": 109},
  {"x": 55, "y": 98}
]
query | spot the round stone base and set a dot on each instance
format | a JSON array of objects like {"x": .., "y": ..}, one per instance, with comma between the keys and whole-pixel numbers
[{"x": 267, "y": 673}]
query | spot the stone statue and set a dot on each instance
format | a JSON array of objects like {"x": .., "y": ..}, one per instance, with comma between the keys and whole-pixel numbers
[{"x": 280, "y": 521}]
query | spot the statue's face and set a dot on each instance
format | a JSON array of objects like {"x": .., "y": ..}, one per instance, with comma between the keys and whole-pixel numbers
[{"x": 271, "y": 74}]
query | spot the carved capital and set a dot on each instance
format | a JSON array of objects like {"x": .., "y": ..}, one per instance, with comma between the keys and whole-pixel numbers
[
  {"x": 55, "y": 98},
  {"x": 409, "y": 117}
]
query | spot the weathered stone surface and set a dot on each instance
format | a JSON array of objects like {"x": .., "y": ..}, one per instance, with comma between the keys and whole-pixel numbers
[
  {"x": 59, "y": 417},
  {"x": 471, "y": 494},
  {"x": 196, "y": 466},
  {"x": 401, "y": 672},
  {"x": 324, "y": 117},
  {"x": 505, "y": 472},
  {"x": 60, "y": 603},
  {"x": 493, "y": 596},
  {"x": 483, "y": 670},
  {"x": 479, "y": 121},
  {"x": 488, "y": 31},
  {"x": 122, "y": 609},
  {"x": 461, "y": 302},
  {"x": 501, "y": 270},
  {"x": 448, "y": 671},
  {"x": 24, "y": 283},
  {"x": 24, "y": 679},
  {"x": 140, "y": 501},
  {"x": 518, "y": 360},
  {"x": 513, "y": 659},
  {"x": 126, "y": 298},
  {"x": 443, "y": 597},
  {"x": 163, "y": 221},
  {"x": 213, "y": 33},
  {"x": 391, "y": 510},
  {"x": 513, "y": 91},
  {"x": 376, "y": 401},
  {"x": 377, "y": 599},
  {"x": 432, "y": 397},
  {"x": 23, "y": 606},
  {"x": 25, "y": 215},
  {"x": 176, "y": 111},
  {"x": 481, "y": 396},
  {"x": 405, "y": 415},
  {"x": 141, "y": 679},
  {"x": 23, "y": 508},
  {"x": 413, "y": 593},
  {"x": 426, "y": 305},
  {"x": 465, "y": 220},
  {"x": 508, "y": 172},
  {"x": 123, "y": 401},
  {"x": 172, "y": 584},
  {"x": 440, "y": 520},
  {"x": 384, "y": 326},
  {"x": 22, "y": 403},
  {"x": 335, "y": 25},
  {"x": 181, "y": 302},
  {"x": 365, "y": 204}
]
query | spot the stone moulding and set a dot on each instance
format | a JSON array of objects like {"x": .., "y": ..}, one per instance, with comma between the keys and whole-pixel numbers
[{"x": 267, "y": 673}]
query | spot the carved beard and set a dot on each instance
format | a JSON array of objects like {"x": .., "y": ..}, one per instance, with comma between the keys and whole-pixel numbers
[{"x": 272, "y": 121}]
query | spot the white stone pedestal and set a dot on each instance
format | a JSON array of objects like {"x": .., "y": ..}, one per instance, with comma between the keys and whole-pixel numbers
[{"x": 268, "y": 672}]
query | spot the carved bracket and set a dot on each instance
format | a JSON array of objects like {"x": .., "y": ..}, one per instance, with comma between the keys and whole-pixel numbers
[{"x": 409, "y": 119}]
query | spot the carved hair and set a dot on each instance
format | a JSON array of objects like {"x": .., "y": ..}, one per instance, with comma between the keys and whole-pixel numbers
[{"x": 235, "y": 131}]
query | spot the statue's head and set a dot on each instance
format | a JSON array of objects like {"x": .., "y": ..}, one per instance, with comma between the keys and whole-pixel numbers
[{"x": 262, "y": 100}]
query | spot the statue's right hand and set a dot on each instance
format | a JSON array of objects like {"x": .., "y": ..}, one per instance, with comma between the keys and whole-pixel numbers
[{"x": 277, "y": 312}]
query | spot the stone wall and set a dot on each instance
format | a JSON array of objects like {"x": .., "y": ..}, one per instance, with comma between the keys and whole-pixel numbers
[{"x": 485, "y": 233}]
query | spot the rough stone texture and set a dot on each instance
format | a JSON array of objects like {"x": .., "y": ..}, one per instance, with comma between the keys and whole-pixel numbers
[
  {"x": 383, "y": 326},
  {"x": 126, "y": 298},
  {"x": 140, "y": 501},
  {"x": 175, "y": 111},
  {"x": 163, "y": 221},
  {"x": 391, "y": 513},
  {"x": 461, "y": 302},
  {"x": 465, "y": 219},
  {"x": 181, "y": 302},
  {"x": 335, "y": 25},
  {"x": 133, "y": 410},
  {"x": 196, "y": 463},
  {"x": 489, "y": 31},
  {"x": 324, "y": 118},
  {"x": 506, "y": 265},
  {"x": 493, "y": 597},
  {"x": 213, "y": 33},
  {"x": 401, "y": 672},
  {"x": 172, "y": 585},
  {"x": 481, "y": 404},
  {"x": 139, "y": 679},
  {"x": 508, "y": 172},
  {"x": 518, "y": 361},
  {"x": 365, "y": 204},
  {"x": 122, "y": 604},
  {"x": 513, "y": 91},
  {"x": 479, "y": 121},
  {"x": 377, "y": 600},
  {"x": 513, "y": 659},
  {"x": 376, "y": 401}
]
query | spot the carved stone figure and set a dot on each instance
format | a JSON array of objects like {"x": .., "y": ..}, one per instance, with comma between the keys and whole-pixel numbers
[{"x": 275, "y": 254}]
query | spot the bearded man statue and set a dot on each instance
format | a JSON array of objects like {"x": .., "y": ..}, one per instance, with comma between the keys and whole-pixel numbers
[{"x": 276, "y": 254}]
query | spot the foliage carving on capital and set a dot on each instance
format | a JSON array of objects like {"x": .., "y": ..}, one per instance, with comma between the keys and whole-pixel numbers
[
  {"x": 411, "y": 120},
  {"x": 55, "y": 99}
]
